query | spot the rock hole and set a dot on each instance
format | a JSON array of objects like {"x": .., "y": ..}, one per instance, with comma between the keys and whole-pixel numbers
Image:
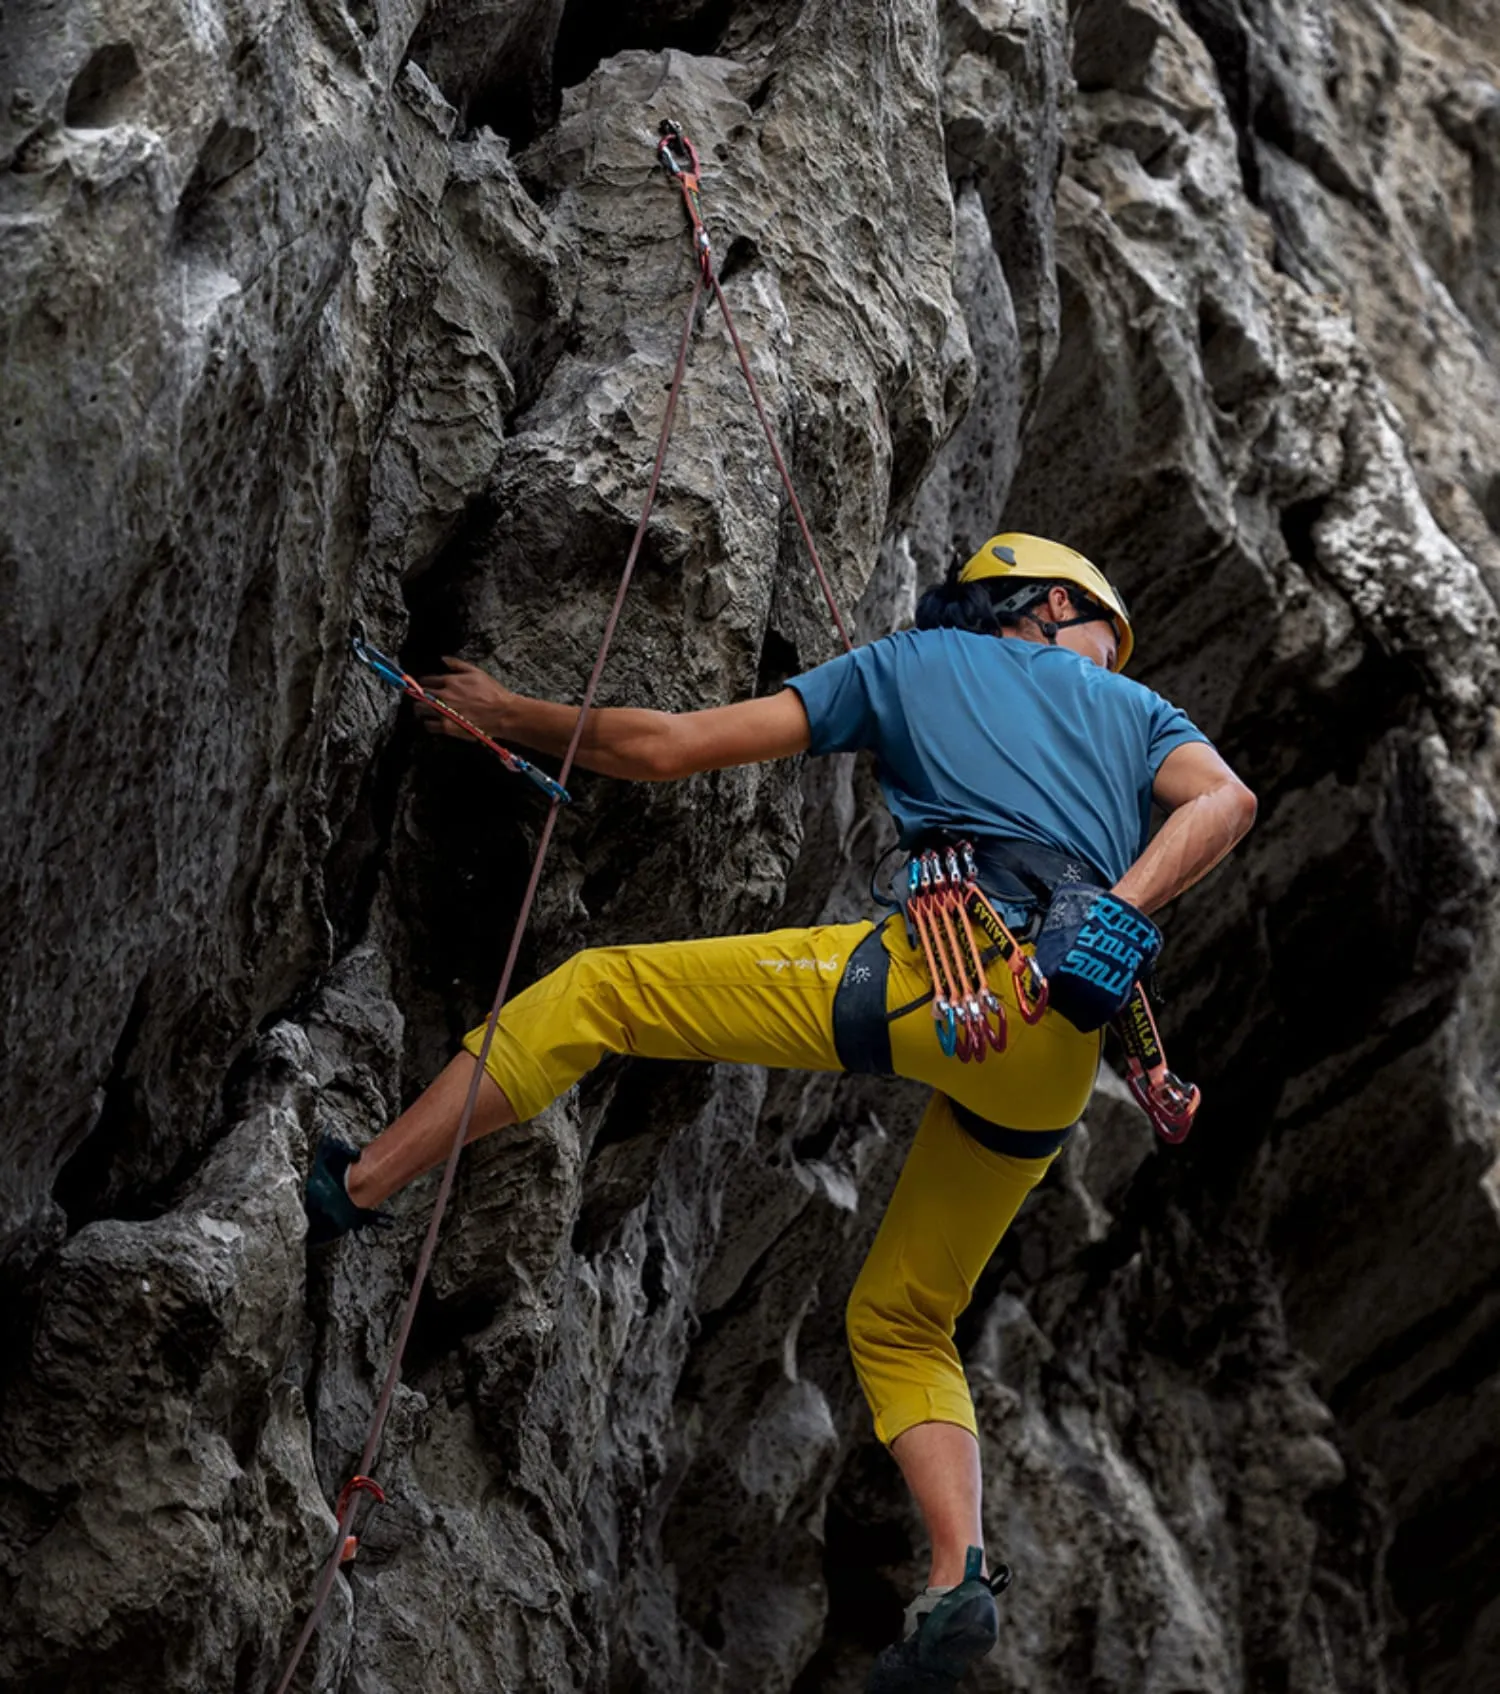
[
  {"x": 252, "y": 1668},
  {"x": 742, "y": 254},
  {"x": 864, "y": 1540},
  {"x": 594, "y": 30},
  {"x": 228, "y": 150},
  {"x": 1298, "y": 522},
  {"x": 250, "y": 646},
  {"x": 654, "y": 1281},
  {"x": 809, "y": 1149},
  {"x": 1112, "y": 45},
  {"x": 778, "y": 660},
  {"x": 104, "y": 89},
  {"x": 1489, "y": 503},
  {"x": 508, "y": 106},
  {"x": 1232, "y": 364},
  {"x": 84, "y": 1181},
  {"x": 761, "y": 93}
]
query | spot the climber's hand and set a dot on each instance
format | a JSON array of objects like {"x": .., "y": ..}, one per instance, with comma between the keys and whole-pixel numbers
[{"x": 469, "y": 691}]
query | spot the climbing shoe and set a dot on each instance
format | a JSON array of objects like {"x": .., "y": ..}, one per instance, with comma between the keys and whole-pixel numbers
[
  {"x": 945, "y": 1633},
  {"x": 331, "y": 1212}
]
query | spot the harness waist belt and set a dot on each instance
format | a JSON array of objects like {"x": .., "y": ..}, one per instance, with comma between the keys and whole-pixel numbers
[{"x": 1023, "y": 871}]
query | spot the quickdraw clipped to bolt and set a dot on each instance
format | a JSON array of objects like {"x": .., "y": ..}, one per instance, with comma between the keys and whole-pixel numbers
[
  {"x": 356, "y": 1485},
  {"x": 679, "y": 158},
  {"x": 389, "y": 671},
  {"x": 1169, "y": 1102}
]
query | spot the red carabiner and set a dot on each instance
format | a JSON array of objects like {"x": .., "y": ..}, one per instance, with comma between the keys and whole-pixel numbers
[
  {"x": 356, "y": 1485},
  {"x": 1169, "y": 1102},
  {"x": 1032, "y": 991},
  {"x": 674, "y": 137}
]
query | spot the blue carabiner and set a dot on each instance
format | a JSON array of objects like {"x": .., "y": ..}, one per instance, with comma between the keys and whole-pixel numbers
[
  {"x": 947, "y": 1029},
  {"x": 549, "y": 786},
  {"x": 385, "y": 668}
]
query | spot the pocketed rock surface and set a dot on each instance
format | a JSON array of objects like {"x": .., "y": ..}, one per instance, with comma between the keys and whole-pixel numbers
[{"x": 362, "y": 312}]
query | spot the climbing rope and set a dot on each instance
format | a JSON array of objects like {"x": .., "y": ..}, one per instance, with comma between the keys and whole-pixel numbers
[{"x": 680, "y": 158}]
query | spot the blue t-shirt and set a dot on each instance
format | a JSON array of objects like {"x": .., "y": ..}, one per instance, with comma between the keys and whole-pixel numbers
[{"x": 977, "y": 735}]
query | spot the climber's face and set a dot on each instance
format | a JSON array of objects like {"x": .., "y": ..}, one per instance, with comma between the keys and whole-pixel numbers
[{"x": 1098, "y": 640}]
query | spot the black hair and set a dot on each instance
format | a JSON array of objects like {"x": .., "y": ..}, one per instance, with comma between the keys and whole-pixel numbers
[{"x": 976, "y": 606}]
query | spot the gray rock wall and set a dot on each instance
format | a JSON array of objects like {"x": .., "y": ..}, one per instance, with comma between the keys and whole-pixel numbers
[{"x": 365, "y": 312}]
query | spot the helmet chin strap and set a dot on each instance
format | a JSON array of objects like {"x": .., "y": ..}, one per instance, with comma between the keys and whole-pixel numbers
[{"x": 1049, "y": 629}]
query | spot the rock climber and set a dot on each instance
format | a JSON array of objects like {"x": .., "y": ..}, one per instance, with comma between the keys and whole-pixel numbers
[{"x": 1001, "y": 720}]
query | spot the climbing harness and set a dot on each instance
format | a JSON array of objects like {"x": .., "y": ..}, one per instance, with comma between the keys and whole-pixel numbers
[
  {"x": 945, "y": 889},
  {"x": 942, "y": 902},
  {"x": 389, "y": 671},
  {"x": 676, "y": 152}
]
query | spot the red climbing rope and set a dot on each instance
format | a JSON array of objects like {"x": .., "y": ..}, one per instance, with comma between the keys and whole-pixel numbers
[{"x": 681, "y": 159}]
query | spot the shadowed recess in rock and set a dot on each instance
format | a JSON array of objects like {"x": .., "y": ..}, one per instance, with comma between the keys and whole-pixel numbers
[
  {"x": 594, "y": 30},
  {"x": 105, "y": 91}
]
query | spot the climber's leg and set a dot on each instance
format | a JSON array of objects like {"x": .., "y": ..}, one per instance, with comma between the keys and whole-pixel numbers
[
  {"x": 940, "y": 1463},
  {"x": 423, "y": 1135},
  {"x": 952, "y": 1204},
  {"x": 751, "y": 999}
]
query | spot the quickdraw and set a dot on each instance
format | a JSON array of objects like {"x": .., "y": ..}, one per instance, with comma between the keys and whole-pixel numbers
[
  {"x": 944, "y": 904},
  {"x": 1169, "y": 1102},
  {"x": 942, "y": 897},
  {"x": 389, "y": 671},
  {"x": 679, "y": 158},
  {"x": 1031, "y": 985}
]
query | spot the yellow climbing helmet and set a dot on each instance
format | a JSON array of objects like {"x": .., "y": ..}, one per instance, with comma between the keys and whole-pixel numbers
[{"x": 1029, "y": 558}]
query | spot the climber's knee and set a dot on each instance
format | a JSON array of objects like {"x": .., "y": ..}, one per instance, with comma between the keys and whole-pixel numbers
[{"x": 904, "y": 1356}]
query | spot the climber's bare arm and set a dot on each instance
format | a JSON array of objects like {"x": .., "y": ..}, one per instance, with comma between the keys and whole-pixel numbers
[
  {"x": 1209, "y": 809},
  {"x": 636, "y": 743}
]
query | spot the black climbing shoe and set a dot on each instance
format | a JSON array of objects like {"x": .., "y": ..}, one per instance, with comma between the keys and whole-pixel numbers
[
  {"x": 960, "y": 1627},
  {"x": 330, "y": 1210}
]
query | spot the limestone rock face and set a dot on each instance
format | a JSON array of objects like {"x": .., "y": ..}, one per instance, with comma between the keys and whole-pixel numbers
[{"x": 361, "y": 313}]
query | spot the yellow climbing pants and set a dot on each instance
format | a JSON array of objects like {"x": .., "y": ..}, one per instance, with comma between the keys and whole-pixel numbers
[{"x": 768, "y": 1000}]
